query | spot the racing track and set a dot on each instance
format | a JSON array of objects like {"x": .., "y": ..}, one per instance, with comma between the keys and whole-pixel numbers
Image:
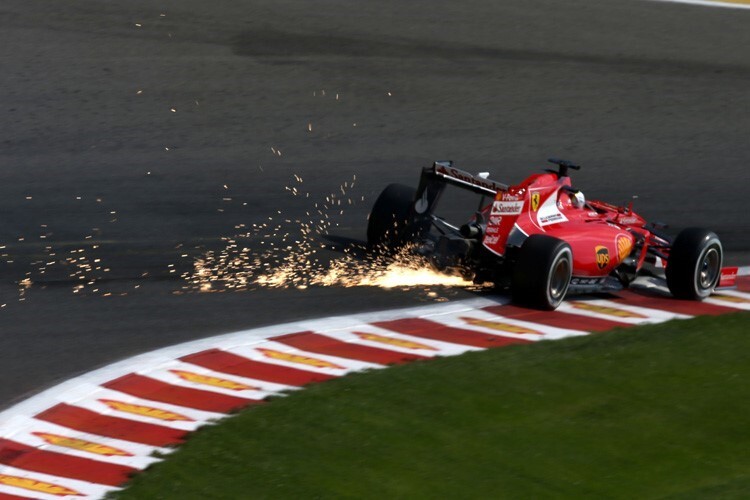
[{"x": 650, "y": 97}]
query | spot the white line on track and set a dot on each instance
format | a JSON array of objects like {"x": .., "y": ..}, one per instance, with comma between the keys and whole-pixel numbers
[{"x": 709, "y": 3}]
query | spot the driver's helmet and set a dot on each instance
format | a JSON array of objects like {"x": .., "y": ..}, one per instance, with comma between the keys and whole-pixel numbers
[{"x": 577, "y": 199}]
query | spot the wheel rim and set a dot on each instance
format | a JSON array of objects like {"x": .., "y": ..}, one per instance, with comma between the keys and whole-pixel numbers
[
  {"x": 709, "y": 268},
  {"x": 559, "y": 278}
]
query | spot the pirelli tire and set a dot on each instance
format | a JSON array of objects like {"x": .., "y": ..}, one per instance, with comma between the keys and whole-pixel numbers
[
  {"x": 694, "y": 264},
  {"x": 542, "y": 272},
  {"x": 387, "y": 227}
]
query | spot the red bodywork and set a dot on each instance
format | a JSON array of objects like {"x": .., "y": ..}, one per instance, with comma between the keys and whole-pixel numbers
[{"x": 600, "y": 235}]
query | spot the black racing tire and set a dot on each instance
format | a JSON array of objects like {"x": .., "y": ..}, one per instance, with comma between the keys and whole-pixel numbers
[
  {"x": 694, "y": 264},
  {"x": 387, "y": 227},
  {"x": 541, "y": 274}
]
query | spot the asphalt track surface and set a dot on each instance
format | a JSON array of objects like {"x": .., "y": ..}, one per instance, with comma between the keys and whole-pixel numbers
[{"x": 652, "y": 98}]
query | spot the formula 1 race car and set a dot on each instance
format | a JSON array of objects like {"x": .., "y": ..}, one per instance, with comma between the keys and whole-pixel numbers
[{"x": 541, "y": 238}]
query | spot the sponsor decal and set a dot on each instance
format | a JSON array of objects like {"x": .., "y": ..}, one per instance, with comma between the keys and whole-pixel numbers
[
  {"x": 492, "y": 230},
  {"x": 497, "y": 325},
  {"x": 295, "y": 358},
  {"x": 197, "y": 378},
  {"x": 507, "y": 207},
  {"x": 496, "y": 220},
  {"x": 628, "y": 220},
  {"x": 602, "y": 256},
  {"x": 609, "y": 311},
  {"x": 730, "y": 298},
  {"x": 585, "y": 281},
  {"x": 546, "y": 220},
  {"x": 728, "y": 277},
  {"x": 535, "y": 197},
  {"x": 505, "y": 196},
  {"x": 407, "y": 344},
  {"x": 624, "y": 246},
  {"x": 467, "y": 178},
  {"x": 146, "y": 411},
  {"x": 81, "y": 445},
  {"x": 39, "y": 486},
  {"x": 548, "y": 213},
  {"x": 491, "y": 240}
]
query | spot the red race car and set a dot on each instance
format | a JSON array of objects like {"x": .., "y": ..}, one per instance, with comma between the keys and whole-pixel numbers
[{"x": 541, "y": 238}]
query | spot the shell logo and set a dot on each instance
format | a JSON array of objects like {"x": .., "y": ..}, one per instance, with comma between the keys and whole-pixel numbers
[
  {"x": 609, "y": 311},
  {"x": 624, "y": 246},
  {"x": 504, "y": 327},
  {"x": 81, "y": 445},
  {"x": 295, "y": 358},
  {"x": 197, "y": 378},
  {"x": 39, "y": 486},
  {"x": 146, "y": 411},
  {"x": 407, "y": 344}
]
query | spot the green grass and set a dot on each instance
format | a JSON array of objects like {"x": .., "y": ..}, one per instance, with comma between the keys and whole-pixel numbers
[{"x": 655, "y": 412}]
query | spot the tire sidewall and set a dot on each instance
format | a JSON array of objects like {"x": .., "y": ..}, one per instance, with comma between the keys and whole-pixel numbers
[
  {"x": 713, "y": 242},
  {"x": 684, "y": 265},
  {"x": 534, "y": 272},
  {"x": 563, "y": 252}
]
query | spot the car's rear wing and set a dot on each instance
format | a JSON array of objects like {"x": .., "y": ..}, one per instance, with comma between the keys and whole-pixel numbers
[
  {"x": 478, "y": 183},
  {"x": 432, "y": 183}
]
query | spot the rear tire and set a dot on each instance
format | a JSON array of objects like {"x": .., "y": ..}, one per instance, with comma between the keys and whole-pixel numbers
[
  {"x": 542, "y": 273},
  {"x": 387, "y": 227},
  {"x": 694, "y": 265}
]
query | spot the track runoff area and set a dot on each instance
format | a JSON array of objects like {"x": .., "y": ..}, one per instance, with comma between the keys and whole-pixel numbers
[{"x": 89, "y": 435}]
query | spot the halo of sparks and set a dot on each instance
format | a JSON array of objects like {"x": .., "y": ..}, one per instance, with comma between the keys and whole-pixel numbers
[
  {"x": 286, "y": 253},
  {"x": 280, "y": 252}
]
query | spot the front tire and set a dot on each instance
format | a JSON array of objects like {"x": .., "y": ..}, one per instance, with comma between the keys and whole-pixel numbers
[
  {"x": 387, "y": 227},
  {"x": 694, "y": 265},
  {"x": 542, "y": 273}
]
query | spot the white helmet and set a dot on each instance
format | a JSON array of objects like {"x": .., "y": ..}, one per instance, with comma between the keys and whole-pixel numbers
[{"x": 577, "y": 199}]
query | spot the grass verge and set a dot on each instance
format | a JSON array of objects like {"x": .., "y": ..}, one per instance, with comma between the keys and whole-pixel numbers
[{"x": 652, "y": 412}]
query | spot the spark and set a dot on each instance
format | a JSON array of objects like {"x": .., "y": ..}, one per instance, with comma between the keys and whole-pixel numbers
[{"x": 287, "y": 253}]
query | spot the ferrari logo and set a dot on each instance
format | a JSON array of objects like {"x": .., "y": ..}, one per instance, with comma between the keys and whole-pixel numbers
[
  {"x": 39, "y": 486},
  {"x": 81, "y": 445},
  {"x": 213, "y": 381},
  {"x": 394, "y": 342},
  {"x": 503, "y": 327},
  {"x": 146, "y": 411},
  {"x": 295, "y": 358},
  {"x": 609, "y": 311},
  {"x": 535, "y": 201},
  {"x": 730, "y": 298}
]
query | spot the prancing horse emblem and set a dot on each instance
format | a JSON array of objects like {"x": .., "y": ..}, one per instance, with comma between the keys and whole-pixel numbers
[{"x": 534, "y": 201}]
